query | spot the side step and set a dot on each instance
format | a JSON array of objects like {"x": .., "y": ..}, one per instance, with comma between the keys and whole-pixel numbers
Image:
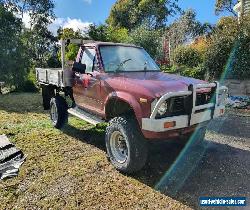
[{"x": 86, "y": 116}]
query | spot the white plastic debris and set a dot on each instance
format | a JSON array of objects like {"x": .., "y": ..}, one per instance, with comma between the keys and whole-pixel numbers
[
  {"x": 240, "y": 102},
  {"x": 11, "y": 158}
]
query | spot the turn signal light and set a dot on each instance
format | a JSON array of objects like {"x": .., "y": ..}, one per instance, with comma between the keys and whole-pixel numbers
[{"x": 170, "y": 124}]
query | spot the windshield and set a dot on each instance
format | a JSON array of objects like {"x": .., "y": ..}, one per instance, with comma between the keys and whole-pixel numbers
[{"x": 129, "y": 59}]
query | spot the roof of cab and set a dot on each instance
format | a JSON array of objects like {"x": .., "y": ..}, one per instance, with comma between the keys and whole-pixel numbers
[{"x": 97, "y": 44}]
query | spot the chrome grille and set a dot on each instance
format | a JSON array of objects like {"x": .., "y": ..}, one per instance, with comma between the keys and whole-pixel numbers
[{"x": 203, "y": 98}]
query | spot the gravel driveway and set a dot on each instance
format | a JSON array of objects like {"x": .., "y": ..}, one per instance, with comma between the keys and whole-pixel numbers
[{"x": 224, "y": 169}]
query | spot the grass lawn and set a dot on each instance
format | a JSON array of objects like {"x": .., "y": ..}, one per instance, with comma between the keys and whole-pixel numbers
[{"x": 66, "y": 169}]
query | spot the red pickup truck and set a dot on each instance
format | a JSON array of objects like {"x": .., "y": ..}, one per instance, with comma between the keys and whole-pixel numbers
[{"x": 121, "y": 84}]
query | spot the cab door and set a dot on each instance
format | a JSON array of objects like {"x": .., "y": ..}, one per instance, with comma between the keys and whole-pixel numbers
[{"x": 87, "y": 86}]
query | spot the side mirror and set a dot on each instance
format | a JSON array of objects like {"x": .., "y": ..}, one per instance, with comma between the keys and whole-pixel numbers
[{"x": 79, "y": 67}]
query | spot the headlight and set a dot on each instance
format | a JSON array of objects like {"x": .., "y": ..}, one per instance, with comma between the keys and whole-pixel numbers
[{"x": 163, "y": 108}]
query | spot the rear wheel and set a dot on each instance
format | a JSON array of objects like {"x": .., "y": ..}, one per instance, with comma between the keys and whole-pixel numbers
[
  {"x": 47, "y": 92},
  {"x": 58, "y": 111},
  {"x": 126, "y": 147}
]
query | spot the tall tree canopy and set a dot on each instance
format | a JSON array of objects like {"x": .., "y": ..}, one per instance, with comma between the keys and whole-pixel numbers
[
  {"x": 186, "y": 28},
  {"x": 37, "y": 38},
  {"x": 131, "y": 13},
  {"x": 14, "y": 61},
  {"x": 225, "y": 6}
]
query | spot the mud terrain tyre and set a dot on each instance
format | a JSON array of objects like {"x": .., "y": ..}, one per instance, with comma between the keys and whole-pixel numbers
[
  {"x": 58, "y": 111},
  {"x": 47, "y": 93},
  {"x": 126, "y": 146}
]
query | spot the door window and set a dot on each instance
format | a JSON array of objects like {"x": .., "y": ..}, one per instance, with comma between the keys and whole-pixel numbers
[{"x": 88, "y": 58}]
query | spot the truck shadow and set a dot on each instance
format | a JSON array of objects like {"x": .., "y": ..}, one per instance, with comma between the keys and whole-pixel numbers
[{"x": 222, "y": 171}]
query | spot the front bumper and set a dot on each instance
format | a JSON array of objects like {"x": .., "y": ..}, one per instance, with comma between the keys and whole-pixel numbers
[{"x": 198, "y": 114}]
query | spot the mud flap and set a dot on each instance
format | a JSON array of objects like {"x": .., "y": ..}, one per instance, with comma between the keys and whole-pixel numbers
[{"x": 184, "y": 164}]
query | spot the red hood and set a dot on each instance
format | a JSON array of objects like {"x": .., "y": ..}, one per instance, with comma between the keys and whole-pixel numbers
[{"x": 153, "y": 84}]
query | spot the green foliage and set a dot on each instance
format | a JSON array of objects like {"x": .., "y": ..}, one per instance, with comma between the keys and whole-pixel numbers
[
  {"x": 239, "y": 65},
  {"x": 107, "y": 33},
  {"x": 37, "y": 38},
  {"x": 195, "y": 72},
  {"x": 29, "y": 84},
  {"x": 98, "y": 33},
  {"x": 69, "y": 33},
  {"x": 186, "y": 28},
  {"x": 132, "y": 13},
  {"x": 14, "y": 61},
  {"x": 71, "y": 50},
  {"x": 117, "y": 35},
  {"x": 221, "y": 46},
  {"x": 150, "y": 40},
  {"x": 187, "y": 56},
  {"x": 225, "y": 6}
]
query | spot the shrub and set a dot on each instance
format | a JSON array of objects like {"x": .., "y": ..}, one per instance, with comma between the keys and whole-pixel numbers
[
  {"x": 195, "y": 72},
  {"x": 240, "y": 63},
  {"x": 187, "y": 56},
  {"x": 30, "y": 84}
]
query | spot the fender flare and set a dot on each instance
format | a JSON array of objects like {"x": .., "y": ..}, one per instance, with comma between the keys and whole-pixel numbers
[{"x": 127, "y": 98}]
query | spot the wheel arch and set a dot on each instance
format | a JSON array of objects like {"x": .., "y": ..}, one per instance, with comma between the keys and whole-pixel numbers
[{"x": 125, "y": 103}]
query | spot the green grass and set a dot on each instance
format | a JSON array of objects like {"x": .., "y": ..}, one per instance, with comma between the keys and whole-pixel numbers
[{"x": 65, "y": 169}]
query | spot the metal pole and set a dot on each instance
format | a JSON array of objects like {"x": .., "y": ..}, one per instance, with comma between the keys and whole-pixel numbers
[{"x": 63, "y": 53}]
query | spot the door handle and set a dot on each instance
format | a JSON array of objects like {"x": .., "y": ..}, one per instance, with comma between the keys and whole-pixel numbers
[{"x": 90, "y": 74}]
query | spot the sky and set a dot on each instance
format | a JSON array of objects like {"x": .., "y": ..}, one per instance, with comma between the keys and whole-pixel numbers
[{"x": 79, "y": 14}]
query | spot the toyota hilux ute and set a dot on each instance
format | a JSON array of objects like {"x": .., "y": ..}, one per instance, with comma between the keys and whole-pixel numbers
[{"x": 122, "y": 85}]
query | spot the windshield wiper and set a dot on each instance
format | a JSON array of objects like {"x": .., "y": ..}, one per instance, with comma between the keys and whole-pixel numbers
[{"x": 122, "y": 63}]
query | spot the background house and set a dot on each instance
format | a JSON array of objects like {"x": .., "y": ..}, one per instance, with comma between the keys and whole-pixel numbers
[{"x": 242, "y": 7}]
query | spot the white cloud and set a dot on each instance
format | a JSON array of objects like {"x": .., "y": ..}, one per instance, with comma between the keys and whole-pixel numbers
[
  {"x": 75, "y": 24},
  {"x": 26, "y": 20},
  {"x": 88, "y": 1}
]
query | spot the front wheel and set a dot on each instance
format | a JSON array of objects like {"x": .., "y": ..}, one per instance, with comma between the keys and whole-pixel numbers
[
  {"x": 126, "y": 147},
  {"x": 58, "y": 111}
]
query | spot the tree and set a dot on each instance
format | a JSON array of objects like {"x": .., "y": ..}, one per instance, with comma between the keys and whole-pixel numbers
[
  {"x": 150, "y": 40},
  {"x": 239, "y": 64},
  {"x": 221, "y": 46},
  {"x": 98, "y": 33},
  {"x": 37, "y": 37},
  {"x": 118, "y": 35},
  {"x": 71, "y": 50},
  {"x": 186, "y": 28},
  {"x": 14, "y": 62},
  {"x": 187, "y": 56},
  {"x": 108, "y": 33},
  {"x": 131, "y": 13},
  {"x": 225, "y": 5}
]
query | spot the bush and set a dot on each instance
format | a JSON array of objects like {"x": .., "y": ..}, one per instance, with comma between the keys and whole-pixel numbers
[
  {"x": 187, "y": 56},
  {"x": 217, "y": 56},
  {"x": 195, "y": 72},
  {"x": 30, "y": 84},
  {"x": 222, "y": 44},
  {"x": 239, "y": 65},
  {"x": 149, "y": 39}
]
